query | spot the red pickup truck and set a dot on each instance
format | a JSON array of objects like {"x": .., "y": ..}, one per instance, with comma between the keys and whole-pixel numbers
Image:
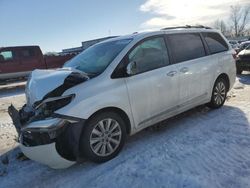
[{"x": 19, "y": 61}]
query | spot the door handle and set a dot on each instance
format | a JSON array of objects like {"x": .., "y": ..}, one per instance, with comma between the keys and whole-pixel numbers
[
  {"x": 184, "y": 69},
  {"x": 171, "y": 73}
]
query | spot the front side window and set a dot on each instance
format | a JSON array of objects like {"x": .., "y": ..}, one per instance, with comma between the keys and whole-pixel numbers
[
  {"x": 6, "y": 55},
  {"x": 150, "y": 54},
  {"x": 95, "y": 59},
  {"x": 215, "y": 42},
  {"x": 186, "y": 46}
]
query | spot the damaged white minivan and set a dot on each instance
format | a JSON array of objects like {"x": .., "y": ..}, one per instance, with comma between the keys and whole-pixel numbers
[{"x": 118, "y": 87}]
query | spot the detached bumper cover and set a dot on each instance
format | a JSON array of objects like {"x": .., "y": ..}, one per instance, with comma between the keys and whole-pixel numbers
[
  {"x": 53, "y": 142},
  {"x": 46, "y": 154}
]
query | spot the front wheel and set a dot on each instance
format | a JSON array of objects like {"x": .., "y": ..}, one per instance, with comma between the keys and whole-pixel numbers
[
  {"x": 219, "y": 94},
  {"x": 103, "y": 137}
]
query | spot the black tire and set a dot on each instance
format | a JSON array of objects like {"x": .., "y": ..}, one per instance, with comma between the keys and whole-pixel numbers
[
  {"x": 238, "y": 71},
  {"x": 215, "y": 97},
  {"x": 87, "y": 149}
]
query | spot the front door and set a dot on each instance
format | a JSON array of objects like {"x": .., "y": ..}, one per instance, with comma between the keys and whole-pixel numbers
[{"x": 153, "y": 86}]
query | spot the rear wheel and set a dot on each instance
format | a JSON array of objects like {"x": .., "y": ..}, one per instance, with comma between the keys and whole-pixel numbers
[
  {"x": 103, "y": 137},
  {"x": 219, "y": 93}
]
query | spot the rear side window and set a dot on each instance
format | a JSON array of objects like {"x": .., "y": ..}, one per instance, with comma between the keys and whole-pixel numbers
[
  {"x": 186, "y": 46},
  {"x": 26, "y": 53},
  {"x": 215, "y": 42}
]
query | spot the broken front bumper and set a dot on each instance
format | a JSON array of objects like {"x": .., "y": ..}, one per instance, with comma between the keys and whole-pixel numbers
[
  {"x": 53, "y": 141},
  {"x": 46, "y": 154}
]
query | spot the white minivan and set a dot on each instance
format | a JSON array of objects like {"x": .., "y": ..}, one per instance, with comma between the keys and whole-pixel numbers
[{"x": 118, "y": 87}]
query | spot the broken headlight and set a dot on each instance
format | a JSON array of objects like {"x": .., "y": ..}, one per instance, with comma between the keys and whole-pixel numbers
[
  {"x": 48, "y": 106},
  {"x": 40, "y": 134}
]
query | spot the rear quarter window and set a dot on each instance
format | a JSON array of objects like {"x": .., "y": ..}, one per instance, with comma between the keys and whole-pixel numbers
[
  {"x": 27, "y": 53},
  {"x": 215, "y": 42}
]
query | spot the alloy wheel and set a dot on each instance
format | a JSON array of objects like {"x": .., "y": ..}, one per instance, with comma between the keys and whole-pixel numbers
[
  {"x": 219, "y": 93},
  {"x": 105, "y": 137}
]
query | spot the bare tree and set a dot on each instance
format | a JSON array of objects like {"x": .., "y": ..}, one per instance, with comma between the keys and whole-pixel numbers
[
  {"x": 240, "y": 19},
  {"x": 245, "y": 20},
  {"x": 235, "y": 17},
  {"x": 220, "y": 25}
]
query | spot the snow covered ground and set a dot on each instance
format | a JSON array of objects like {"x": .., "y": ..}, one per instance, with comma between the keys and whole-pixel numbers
[
  {"x": 199, "y": 148},
  {"x": 16, "y": 97}
]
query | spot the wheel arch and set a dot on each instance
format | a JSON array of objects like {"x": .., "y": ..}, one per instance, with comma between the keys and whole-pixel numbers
[{"x": 117, "y": 110}]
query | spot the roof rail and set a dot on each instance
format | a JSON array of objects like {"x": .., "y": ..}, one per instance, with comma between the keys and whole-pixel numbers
[{"x": 187, "y": 27}]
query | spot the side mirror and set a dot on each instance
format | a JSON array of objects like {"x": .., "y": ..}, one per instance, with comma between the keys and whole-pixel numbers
[{"x": 131, "y": 68}]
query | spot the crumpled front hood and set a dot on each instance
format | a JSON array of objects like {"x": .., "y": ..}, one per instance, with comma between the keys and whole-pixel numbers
[{"x": 42, "y": 82}]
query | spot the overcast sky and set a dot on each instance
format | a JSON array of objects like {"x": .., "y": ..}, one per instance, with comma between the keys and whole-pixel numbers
[{"x": 58, "y": 24}]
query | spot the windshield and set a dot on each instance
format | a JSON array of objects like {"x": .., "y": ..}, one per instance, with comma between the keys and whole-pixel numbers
[
  {"x": 244, "y": 45},
  {"x": 248, "y": 47},
  {"x": 95, "y": 59}
]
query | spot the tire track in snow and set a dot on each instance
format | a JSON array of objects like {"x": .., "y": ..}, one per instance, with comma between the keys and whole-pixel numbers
[{"x": 205, "y": 160}]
